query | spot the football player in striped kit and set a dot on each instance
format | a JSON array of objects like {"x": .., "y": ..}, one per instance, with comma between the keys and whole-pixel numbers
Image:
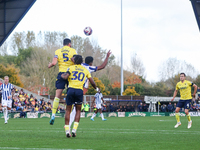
[{"x": 6, "y": 89}]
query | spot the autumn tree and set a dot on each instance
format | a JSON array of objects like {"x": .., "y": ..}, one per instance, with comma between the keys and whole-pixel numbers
[
  {"x": 99, "y": 84},
  {"x": 12, "y": 73},
  {"x": 130, "y": 90}
]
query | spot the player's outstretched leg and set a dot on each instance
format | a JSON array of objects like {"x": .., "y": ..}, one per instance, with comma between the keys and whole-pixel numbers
[
  {"x": 92, "y": 118},
  {"x": 72, "y": 116},
  {"x": 54, "y": 109}
]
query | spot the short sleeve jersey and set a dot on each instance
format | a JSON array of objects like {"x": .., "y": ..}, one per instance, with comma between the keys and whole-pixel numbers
[
  {"x": 77, "y": 77},
  {"x": 64, "y": 56},
  {"x": 98, "y": 97},
  {"x": 185, "y": 89}
]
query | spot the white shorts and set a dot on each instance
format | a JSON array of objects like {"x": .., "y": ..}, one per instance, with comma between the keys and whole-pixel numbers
[
  {"x": 7, "y": 103},
  {"x": 98, "y": 106}
]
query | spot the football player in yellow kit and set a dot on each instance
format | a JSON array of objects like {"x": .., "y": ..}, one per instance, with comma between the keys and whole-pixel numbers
[
  {"x": 186, "y": 97},
  {"x": 63, "y": 57},
  {"x": 76, "y": 75}
]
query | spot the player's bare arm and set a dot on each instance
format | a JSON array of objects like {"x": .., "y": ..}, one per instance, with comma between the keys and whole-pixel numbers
[
  {"x": 93, "y": 101},
  {"x": 175, "y": 93},
  {"x": 53, "y": 63},
  {"x": 65, "y": 75},
  {"x": 103, "y": 65},
  {"x": 92, "y": 83},
  {"x": 102, "y": 100},
  {"x": 195, "y": 90}
]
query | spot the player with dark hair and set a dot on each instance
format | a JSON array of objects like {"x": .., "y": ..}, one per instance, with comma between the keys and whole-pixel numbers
[
  {"x": 64, "y": 58},
  {"x": 184, "y": 86},
  {"x": 76, "y": 76},
  {"x": 88, "y": 64}
]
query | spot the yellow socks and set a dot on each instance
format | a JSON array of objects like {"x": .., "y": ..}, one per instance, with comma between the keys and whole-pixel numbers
[
  {"x": 75, "y": 126},
  {"x": 177, "y": 115},
  {"x": 55, "y": 105},
  {"x": 66, "y": 127},
  {"x": 188, "y": 117}
]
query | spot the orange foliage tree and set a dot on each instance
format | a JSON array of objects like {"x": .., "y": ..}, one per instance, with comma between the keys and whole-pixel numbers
[
  {"x": 12, "y": 73},
  {"x": 133, "y": 79}
]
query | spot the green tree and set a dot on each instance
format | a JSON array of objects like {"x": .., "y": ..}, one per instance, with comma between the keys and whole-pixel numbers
[{"x": 130, "y": 90}]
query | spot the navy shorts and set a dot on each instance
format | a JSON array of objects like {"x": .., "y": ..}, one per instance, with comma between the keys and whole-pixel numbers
[
  {"x": 74, "y": 96},
  {"x": 60, "y": 82},
  {"x": 184, "y": 104}
]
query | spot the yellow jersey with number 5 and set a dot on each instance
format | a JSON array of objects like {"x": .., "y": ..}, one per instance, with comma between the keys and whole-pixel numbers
[
  {"x": 185, "y": 89},
  {"x": 64, "y": 56},
  {"x": 77, "y": 76}
]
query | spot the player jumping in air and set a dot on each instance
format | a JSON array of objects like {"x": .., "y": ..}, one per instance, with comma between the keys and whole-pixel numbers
[
  {"x": 76, "y": 75},
  {"x": 185, "y": 101},
  {"x": 64, "y": 57},
  {"x": 6, "y": 89}
]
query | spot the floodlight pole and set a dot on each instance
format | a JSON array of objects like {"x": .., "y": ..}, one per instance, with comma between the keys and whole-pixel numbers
[{"x": 122, "y": 75}]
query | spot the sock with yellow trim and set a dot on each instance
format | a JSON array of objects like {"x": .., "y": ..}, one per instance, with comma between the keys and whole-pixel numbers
[
  {"x": 55, "y": 105},
  {"x": 75, "y": 126},
  {"x": 177, "y": 115},
  {"x": 188, "y": 117},
  {"x": 66, "y": 128}
]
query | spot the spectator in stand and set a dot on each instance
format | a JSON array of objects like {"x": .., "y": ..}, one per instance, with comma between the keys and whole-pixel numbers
[
  {"x": 120, "y": 109},
  {"x": 23, "y": 113},
  {"x": 36, "y": 109},
  {"x": 140, "y": 107},
  {"x": 145, "y": 107},
  {"x": 132, "y": 108},
  {"x": 174, "y": 108},
  {"x": 128, "y": 108},
  {"x": 170, "y": 107},
  {"x": 111, "y": 107},
  {"x": 124, "y": 108},
  {"x": 198, "y": 92},
  {"x": 163, "y": 108}
]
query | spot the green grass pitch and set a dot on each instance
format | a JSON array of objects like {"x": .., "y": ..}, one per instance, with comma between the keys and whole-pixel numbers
[{"x": 129, "y": 133}]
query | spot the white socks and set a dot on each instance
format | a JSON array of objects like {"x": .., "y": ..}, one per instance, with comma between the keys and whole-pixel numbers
[
  {"x": 94, "y": 115},
  {"x": 72, "y": 116},
  {"x": 5, "y": 113},
  {"x": 102, "y": 117}
]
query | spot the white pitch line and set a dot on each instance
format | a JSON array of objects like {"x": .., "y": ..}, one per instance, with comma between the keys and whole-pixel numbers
[{"x": 39, "y": 148}]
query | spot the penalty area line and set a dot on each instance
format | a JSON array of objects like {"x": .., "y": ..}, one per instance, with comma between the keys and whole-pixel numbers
[{"x": 40, "y": 148}]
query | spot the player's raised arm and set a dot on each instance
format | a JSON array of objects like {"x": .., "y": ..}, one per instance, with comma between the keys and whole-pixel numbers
[
  {"x": 175, "y": 93},
  {"x": 195, "y": 90},
  {"x": 53, "y": 63},
  {"x": 103, "y": 65}
]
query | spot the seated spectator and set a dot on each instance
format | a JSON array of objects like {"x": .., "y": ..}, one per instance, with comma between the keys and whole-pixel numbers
[
  {"x": 174, "y": 108},
  {"x": 145, "y": 107},
  {"x": 170, "y": 107},
  {"x": 104, "y": 108},
  {"x": 36, "y": 109},
  {"x": 19, "y": 107},
  {"x": 128, "y": 108},
  {"x": 140, "y": 107},
  {"x": 124, "y": 108},
  {"x": 23, "y": 113},
  {"x": 120, "y": 109},
  {"x": 111, "y": 107},
  {"x": 132, "y": 108},
  {"x": 163, "y": 108}
]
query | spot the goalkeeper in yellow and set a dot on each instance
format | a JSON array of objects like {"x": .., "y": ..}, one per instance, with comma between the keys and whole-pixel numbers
[
  {"x": 76, "y": 75},
  {"x": 63, "y": 57},
  {"x": 185, "y": 100}
]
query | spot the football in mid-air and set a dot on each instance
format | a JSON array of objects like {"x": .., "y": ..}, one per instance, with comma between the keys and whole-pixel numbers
[{"x": 88, "y": 31}]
